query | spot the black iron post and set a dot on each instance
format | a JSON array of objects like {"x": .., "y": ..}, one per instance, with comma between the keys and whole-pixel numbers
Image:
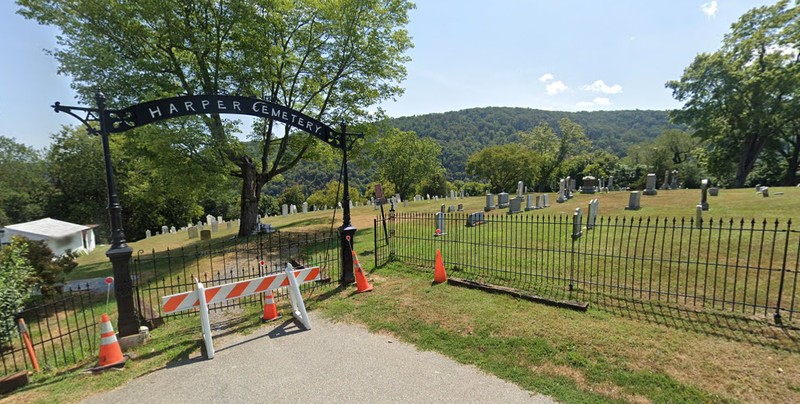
[
  {"x": 119, "y": 254},
  {"x": 347, "y": 231}
]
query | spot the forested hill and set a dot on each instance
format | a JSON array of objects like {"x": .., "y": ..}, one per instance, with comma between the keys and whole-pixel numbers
[{"x": 464, "y": 132}]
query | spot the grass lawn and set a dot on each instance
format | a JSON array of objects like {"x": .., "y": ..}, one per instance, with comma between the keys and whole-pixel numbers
[{"x": 623, "y": 351}]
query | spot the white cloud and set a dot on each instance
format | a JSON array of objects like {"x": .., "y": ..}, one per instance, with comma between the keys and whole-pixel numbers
[
  {"x": 584, "y": 104},
  {"x": 601, "y": 101},
  {"x": 556, "y": 87},
  {"x": 710, "y": 8},
  {"x": 600, "y": 86},
  {"x": 546, "y": 77}
]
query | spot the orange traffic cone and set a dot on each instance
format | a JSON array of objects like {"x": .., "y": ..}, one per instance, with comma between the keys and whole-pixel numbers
[
  {"x": 362, "y": 285},
  {"x": 270, "y": 310},
  {"x": 110, "y": 352},
  {"x": 439, "y": 275}
]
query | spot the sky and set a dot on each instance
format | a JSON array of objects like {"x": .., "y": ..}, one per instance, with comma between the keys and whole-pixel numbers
[{"x": 566, "y": 55}]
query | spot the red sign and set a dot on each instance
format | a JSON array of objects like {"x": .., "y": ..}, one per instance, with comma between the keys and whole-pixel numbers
[{"x": 109, "y": 280}]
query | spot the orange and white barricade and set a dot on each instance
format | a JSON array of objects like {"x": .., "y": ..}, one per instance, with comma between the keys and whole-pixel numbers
[{"x": 202, "y": 297}]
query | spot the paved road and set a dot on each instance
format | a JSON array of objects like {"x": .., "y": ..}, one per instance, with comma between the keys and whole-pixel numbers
[{"x": 331, "y": 363}]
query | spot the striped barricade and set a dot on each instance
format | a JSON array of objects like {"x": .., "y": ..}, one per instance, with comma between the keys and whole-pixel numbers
[{"x": 203, "y": 296}]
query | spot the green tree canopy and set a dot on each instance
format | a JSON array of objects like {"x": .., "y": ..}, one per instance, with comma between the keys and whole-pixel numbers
[
  {"x": 406, "y": 160},
  {"x": 553, "y": 149},
  {"x": 330, "y": 60},
  {"x": 741, "y": 97},
  {"x": 503, "y": 166},
  {"x": 24, "y": 186}
]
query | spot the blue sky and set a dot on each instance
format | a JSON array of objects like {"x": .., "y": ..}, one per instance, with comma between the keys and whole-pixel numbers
[{"x": 567, "y": 55}]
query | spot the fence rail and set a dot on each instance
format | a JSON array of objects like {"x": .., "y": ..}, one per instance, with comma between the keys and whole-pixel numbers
[
  {"x": 159, "y": 274},
  {"x": 743, "y": 266},
  {"x": 62, "y": 331}
]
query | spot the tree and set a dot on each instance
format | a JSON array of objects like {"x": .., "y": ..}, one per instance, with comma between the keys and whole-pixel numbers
[
  {"x": 330, "y": 60},
  {"x": 553, "y": 149},
  {"x": 75, "y": 166},
  {"x": 328, "y": 195},
  {"x": 24, "y": 187},
  {"x": 739, "y": 97},
  {"x": 406, "y": 160},
  {"x": 503, "y": 166}
]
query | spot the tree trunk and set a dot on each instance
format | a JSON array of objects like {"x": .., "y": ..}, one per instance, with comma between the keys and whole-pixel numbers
[
  {"x": 251, "y": 191},
  {"x": 747, "y": 160},
  {"x": 794, "y": 159}
]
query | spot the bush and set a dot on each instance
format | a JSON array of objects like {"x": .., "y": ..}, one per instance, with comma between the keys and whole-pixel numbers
[
  {"x": 50, "y": 272},
  {"x": 16, "y": 282}
]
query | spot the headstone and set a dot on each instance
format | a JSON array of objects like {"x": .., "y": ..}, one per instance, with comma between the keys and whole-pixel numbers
[
  {"x": 593, "y": 208},
  {"x": 520, "y": 189},
  {"x": 704, "y": 193},
  {"x": 610, "y": 184},
  {"x": 210, "y": 219},
  {"x": 172, "y": 229},
  {"x": 305, "y": 207},
  {"x": 349, "y": 203},
  {"x": 229, "y": 225},
  {"x": 713, "y": 191},
  {"x": 502, "y": 200},
  {"x": 489, "y": 203},
  {"x": 441, "y": 209},
  {"x": 164, "y": 229},
  {"x": 440, "y": 224},
  {"x": 588, "y": 185},
  {"x": 267, "y": 228},
  {"x": 292, "y": 209},
  {"x": 462, "y": 194},
  {"x": 219, "y": 219},
  {"x": 665, "y": 185},
  {"x": 475, "y": 219},
  {"x": 405, "y": 203},
  {"x": 452, "y": 194},
  {"x": 651, "y": 185},
  {"x": 192, "y": 230},
  {"x": 529, "y": 203},
  {"x": 572, "y": 187},
  {"x": 634, "y": 202},
  {"x": 215, "y": 227},
  {"x": 205, "y": 234},
  {"x": 546, "y": 200},
  {"x": 577, "y": 223},
  {"x": 674, "y": 184},
  {"x": 515, "y": 206},
  {"x": 562, "y": 196},
  {"x": 451, "y": 209},
  {"x": 540, "y": 201},
  {"x": 428, "y": 196},
  {"x": 460, "y": 207},
  {"x": 699, "y": 218},
  {"x": 765, "y": 192},
  {"x": 284, "y": 210},
  {"x": 147, "y": 233}
]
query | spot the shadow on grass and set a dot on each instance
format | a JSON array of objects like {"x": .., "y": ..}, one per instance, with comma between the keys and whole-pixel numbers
[{"x": 756, "y": 330}]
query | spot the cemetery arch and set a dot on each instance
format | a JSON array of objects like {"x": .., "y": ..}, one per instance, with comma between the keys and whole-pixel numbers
[{"x": 120, "y": 120}]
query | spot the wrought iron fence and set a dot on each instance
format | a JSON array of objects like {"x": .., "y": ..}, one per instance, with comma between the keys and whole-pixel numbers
[
  {"x": 217, "y": 262},
  {"x": 743, "y": 266},
  {"x": 62, "y": 332}
]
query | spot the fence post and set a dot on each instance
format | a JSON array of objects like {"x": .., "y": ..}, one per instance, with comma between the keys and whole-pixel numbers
[
  {"x": 577, "y": 224},
  {"x": 778, "y": 320},
  {"x": 375, "y": 240}
]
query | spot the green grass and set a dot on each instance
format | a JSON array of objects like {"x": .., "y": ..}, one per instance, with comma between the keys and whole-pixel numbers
[
  {"x": 575, "y": 357},
  {"x": 621, "y": 350}
]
